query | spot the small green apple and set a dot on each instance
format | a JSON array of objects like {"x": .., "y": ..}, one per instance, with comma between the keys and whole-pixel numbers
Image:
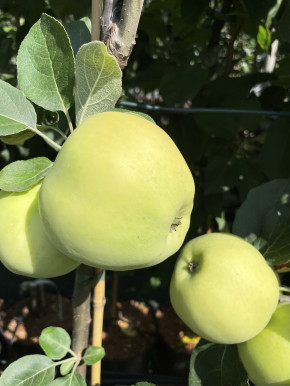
[
  {"x": 119, "y": 195},
  {"x": 24, "y": 247},
  {"x": 223, "y": 289},
  {"x": 266, "y": 357}
]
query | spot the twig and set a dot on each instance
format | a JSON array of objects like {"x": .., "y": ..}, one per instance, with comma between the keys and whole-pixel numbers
[
  {"x": 107, "y": 19},
  {"x": 122, "y": 33},
  {"x": 53, "y": 144}
]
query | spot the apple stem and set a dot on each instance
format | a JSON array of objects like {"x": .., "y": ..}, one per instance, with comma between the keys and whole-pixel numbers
[
  {"x": 176, "y": 223},
  {"x": 192, "y": 266}
]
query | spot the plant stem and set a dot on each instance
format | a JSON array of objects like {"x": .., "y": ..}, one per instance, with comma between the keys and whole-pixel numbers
[
  {"x": 70, "y": 125},
  {"x": 84, "y": 281},
  {"x": 53, "y": 144},
  {"x": 107, "y": 19},
  {"x": 284, "y": 289},
  {"x": 121, "y": 39},
  {"x": 98, "y": 316},
  {"x": 46, "y": 127}
]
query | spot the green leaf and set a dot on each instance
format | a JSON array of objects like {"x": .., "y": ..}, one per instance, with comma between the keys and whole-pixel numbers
[
  {"x": 16, "y": 112},
  {"x": 264, "y": 38},
  {"x": 263, "y": 220},
  {"x": 266, "y": 208},
  {"x": 98, "y": 81},
  {"x": 219, "y": 125},
  {"x": 144, "y": 384},
  {"x": 77, "y": 8},
  {"x": 46, "y": 65},
  {"x": 180, "y": 84},
  {"x": 284, "y": 25},
  {"x": 275, "y": 153},
  {"x": 66, "y": 367},
  {"x": 22, "y": 175},
  {"x": 55, "y": 342},
  {"x": 70, "y": 380},
  {"x": 143, "y": 115},
  {"x": 20, "y": 138},
  {"x": 17, "y": 139},
  {"x": 93, "y": 354},
  {"x": 216, "y": 364},
  {"x": 79, "y": 33},
  {"x": 224, "y": 173},
  {"x": 278, "y": 251},
  {"x": 29, "y": 370},
  {"x": 191, "y": 11}
]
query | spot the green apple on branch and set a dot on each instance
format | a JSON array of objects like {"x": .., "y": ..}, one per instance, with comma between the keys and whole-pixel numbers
[
  {"x": 266, "y": 357},
  {"x": 119, "y": 195},
  {"x": 223, "y": 288},
  {"x": 24, "y": 246}
]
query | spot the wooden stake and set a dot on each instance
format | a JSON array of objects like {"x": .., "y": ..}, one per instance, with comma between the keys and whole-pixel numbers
[{"x": 99, "y": 301}]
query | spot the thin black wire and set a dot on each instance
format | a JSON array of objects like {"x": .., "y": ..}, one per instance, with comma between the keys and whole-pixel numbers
[{"x": 194, "y": 110}]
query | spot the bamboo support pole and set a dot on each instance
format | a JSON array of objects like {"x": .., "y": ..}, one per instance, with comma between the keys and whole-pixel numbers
[{"x": 99, "y": 301}]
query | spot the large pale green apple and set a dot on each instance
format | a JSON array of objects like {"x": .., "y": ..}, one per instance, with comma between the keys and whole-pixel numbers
[
  {"x": 223, "y": 289},
  {"x": 24, "y": 246},
  {"x": 266, "y": 357},
  {"x": 119, "y": 195}
]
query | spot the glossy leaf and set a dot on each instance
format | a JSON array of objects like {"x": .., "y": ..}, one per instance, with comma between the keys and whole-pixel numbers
[
  {"x": 55, "y": 342},
  {"x": 16, "y": 112},
  {"x": 275, "y": 153},
  {"x": 219, "y": 125},
  {"x": 265, "y": 209},
  {"x": 180, "y": 84},
  {"x": 263, "y": 219},
  {"x": 216, "y": 364},
  {"x": 29, "y": 370},
  {"x": 93, "y": 354},
  {"x": 46, "y": 65},
  {"x": 70, "y": 7},
  {"x": 19, "y": 176},
  {"x": 79, "y": 32},
  {"x": 224, "y": 173},
  {"x": 284, "y": 25},
  {"x": 70, "y": 380},
  {"x": 278, "y": 250},
  {"x": 98, "y": 81}
]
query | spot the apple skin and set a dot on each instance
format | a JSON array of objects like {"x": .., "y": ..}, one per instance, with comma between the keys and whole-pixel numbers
[
  {"x": 266, "y": 357},
  {"x": 114, "y": 193},
  {"x": 223, "y": 289},
  {"x": 24, "y": 246}
]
